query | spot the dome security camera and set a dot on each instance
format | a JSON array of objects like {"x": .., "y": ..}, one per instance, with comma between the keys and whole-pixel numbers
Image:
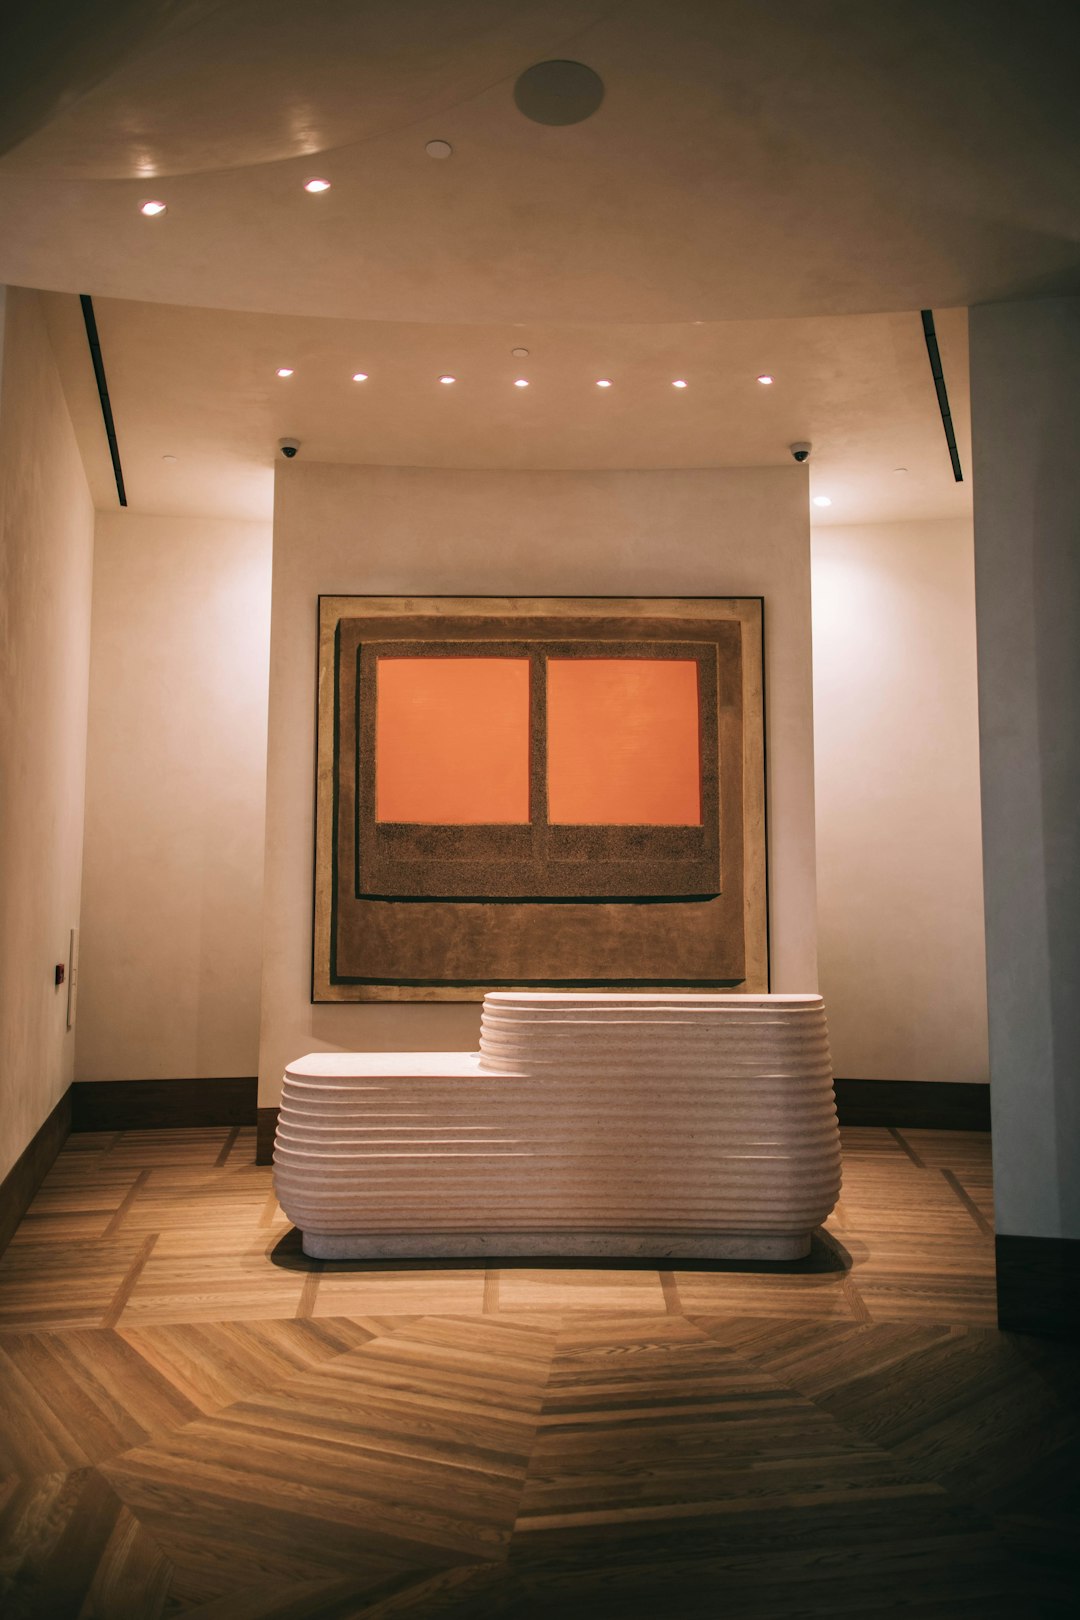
[
  {"x": 801, "y": 450},
  {"x": 288, "y": 447}
]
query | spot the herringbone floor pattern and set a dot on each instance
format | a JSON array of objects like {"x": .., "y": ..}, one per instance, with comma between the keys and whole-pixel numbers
[{"x": 198, "y": 1421}]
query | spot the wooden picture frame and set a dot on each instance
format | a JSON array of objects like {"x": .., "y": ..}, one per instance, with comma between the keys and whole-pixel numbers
[{"x": 418, "y": 910}]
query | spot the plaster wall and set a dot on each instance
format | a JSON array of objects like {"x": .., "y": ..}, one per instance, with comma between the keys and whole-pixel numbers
[
  {"x": 176, "y": 772},
  {"x": 900, "y": 906},
  {"x": 371, "y": 530},
  {"x": 1025, "y": 381},
  {"x": 46, "y": 550}
]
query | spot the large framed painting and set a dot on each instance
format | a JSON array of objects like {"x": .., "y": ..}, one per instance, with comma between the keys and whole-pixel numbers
[{"x": 556, "y": 792}]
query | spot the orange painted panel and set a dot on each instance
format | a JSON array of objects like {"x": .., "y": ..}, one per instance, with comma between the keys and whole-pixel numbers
[
  {"x": 452, "y": 740},
  {"x": 623, "y": 742}
]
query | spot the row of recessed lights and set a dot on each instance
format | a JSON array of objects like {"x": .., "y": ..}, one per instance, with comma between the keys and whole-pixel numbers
[
  {"x": 519, "y": 382},
  {"x": 523, "y": 382}
]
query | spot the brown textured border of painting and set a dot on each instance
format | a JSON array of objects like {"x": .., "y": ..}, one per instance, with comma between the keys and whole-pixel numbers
[
  {"x": 507, "y": 864},
  {"x": 448, "y": 618}
]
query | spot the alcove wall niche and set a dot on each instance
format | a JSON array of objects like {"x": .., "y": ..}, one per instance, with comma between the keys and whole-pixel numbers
[{"x": 414, "y": 534}]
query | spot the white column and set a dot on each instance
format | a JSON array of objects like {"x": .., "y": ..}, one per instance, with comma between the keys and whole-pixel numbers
[{"x": 1025, "y": 380}]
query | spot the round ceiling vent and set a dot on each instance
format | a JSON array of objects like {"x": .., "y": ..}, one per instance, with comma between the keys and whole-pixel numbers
[{"x": 559, "y": 92}]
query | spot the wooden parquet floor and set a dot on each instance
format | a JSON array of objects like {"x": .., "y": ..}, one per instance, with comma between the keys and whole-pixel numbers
[{"x": 196, "y": 1420}]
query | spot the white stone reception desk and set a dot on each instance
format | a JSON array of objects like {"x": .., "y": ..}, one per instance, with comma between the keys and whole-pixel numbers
[{"x": 693, "y": 1126}]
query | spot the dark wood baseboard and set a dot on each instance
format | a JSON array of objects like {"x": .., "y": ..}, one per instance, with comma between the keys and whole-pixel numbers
[
  {"x": 930, "y": 1105},
  {"x": 144, "y": 1105},
  {"x": 264, "y": 1140},
  {"x": 31, "y": 1167},
  {"x": 1038, "y": 1285}
]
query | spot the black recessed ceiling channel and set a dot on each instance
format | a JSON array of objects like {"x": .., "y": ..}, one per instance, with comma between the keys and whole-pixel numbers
[
  {"x": 103, "y": 391},
  {"x": 930, "y": 334}
]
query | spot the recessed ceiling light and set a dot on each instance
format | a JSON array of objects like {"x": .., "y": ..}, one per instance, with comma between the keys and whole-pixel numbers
[
  {"x": 439, "y": 149},
  {"x": 315, "y": 184},
  {"x": 284, "y": 371},
  {"x": 680, "y": 382},
  {"x": 447, "y": 379},
  {"x": 822, "y": 500},
  {"x": 521, "y": 382},
  {"x": 359, "y": 376},
  {"x": 152, "y": 207},
  {"x": 765, "y": 378},
  {"x": 519, "y": 354},
  {"x": 603, "y": 382}
]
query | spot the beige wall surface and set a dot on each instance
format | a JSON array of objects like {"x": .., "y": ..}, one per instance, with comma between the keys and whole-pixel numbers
[
  {"x": 344, "y": 529},
  {"x": 46, "y": 551},
  {"x": 175, "y": 780},
  {"x": 900, "y": 906}
]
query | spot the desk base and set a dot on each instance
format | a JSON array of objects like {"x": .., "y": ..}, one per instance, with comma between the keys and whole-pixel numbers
[{"x": 567, "y": 1245}]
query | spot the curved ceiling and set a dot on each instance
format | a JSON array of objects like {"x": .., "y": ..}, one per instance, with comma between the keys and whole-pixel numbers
[
  {"x": 748, "y": 160},
  {"x": 186, "y": 86},
  {"x": 754, "y": 173},
  {"x": 199, "y": 408}
]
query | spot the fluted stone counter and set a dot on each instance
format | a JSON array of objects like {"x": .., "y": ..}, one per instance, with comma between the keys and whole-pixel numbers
[{"x": 694, "y": 1126}]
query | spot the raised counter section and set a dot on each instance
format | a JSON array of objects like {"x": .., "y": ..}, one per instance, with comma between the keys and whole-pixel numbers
[{"x": 699, "y": 1126}]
